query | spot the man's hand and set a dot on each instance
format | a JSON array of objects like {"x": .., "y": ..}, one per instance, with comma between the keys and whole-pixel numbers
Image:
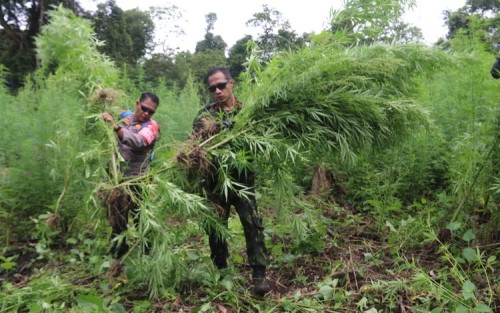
[{"x": 108, "y": 118}]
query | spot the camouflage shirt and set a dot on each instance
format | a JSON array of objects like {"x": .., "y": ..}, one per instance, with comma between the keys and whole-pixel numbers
[{"x": 214, "y": 112}]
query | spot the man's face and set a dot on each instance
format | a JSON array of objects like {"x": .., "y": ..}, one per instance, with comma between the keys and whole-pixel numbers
[
  {"x": 144, "y": 110},
  {"x": 220, "y": 87}
]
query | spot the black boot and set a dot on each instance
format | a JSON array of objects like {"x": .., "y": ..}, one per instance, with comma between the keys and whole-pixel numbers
[
  {"x": 261, "y": 285},
  {"x": 119, "y": 249},
  {"x": 220, "y": 263}
]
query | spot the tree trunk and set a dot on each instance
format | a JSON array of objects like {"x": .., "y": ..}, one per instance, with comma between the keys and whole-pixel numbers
[{"x": 321, "y": 181}]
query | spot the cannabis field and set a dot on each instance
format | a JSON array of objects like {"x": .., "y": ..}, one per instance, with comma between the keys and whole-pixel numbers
[{"x": 378, "y": 178}]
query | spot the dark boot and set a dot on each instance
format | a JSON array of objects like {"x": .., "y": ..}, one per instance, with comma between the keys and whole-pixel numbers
[
  {"x": 119, "y": 249},
  {"x": 261, "y": 285},
  {"x": 220, "y": 263}
]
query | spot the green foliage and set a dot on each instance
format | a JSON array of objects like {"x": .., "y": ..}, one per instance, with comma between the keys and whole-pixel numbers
[
  {"x": 415, "y": 170},
  {"x": 238, "y": 54},
  {"x": 182, "y": 108},
  {"x": 203, "y": 61},
  {"x": 354, "y": 98},
  {"x": 47, "y": 156},
  {"x": 21, "y": 22},
  {"x": 476, "y": 19},
  {"x": 276, "y": 34},
  {"x": 160, "y": 68},
  {"x": 211, "y": 42},
  {"x": 473, "y": 143},
  {"x": 127, "y": 35},
  {"x": 366, "y": 21},
  {"x": 69, "y": 44},
  {"x": 411, "y": 134}
]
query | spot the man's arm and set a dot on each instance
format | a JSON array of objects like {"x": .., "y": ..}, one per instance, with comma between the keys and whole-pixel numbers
[
  {"x": 108, "y": 118},
  {"x": 145, "y": 137},
  {"x": 202, "y": 114}
]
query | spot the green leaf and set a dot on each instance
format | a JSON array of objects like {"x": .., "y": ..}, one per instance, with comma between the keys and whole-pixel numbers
[
  {"x": 326, "y": 290},
  {"x": 459, "y": 260},
  {"x": 454, "y": 226},
  {"x": 469, "y": 254},
  {"x": 483, "y": 308},
  {"x": 228, "y": 284},
  {"x": 91, "y": 303},
  {"x": 468, "y": 290},
  {"x": 469, "y": 236},
  {"x": 118, "y": 308},
  {"x": 363, "y": 303},
  {"x": 7, "y": 265},
  {"x": 391, "y": 227},
  {"x": 461, "y": 309},
  {"x": 238, "y": 259},
  {"x": 141, "y": 305},
  {"x": 71, "y": 241},
  {"x": 192, "y": 256}
]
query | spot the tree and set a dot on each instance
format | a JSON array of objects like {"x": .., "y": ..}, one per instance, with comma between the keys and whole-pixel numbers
[
  {"x": 368, "y": 21},
  {"x": 209, "y": 52},
  {"x": 203, "y": 61},
  {"x": 20, "y": 22},
  {"x": 238, "y": 55},
  {"x": 182, "y": 61},
  {"x": 162, "y": 66},
  {"x": 477, "y": 18},
  {"x": 140, "y": 28},
  {"x": 210, "y": 18},
  {"x": 211, "y": 41},
  {"x": 127, "y": 34},
  {"x": 276, "y": 34}
]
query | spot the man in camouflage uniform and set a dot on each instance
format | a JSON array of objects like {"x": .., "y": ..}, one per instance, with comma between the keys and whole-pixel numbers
[
  {"x": 136, "y": 133},
  {"x": 226, "y": 106}
]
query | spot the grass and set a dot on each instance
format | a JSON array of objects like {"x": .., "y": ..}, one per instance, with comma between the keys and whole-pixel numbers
[{"x": 355, "y": 268}]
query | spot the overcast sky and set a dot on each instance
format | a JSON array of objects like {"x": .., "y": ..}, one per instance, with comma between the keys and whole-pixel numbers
[{"x": 304, "y": 16}]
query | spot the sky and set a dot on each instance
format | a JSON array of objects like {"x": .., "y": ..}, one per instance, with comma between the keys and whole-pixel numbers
[{"x": 304, "y": 16}]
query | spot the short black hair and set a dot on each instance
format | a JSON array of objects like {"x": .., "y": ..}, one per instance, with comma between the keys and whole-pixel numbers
[
  {"x": 150, "y": 95},
  {"x": 223, "y": 70}
]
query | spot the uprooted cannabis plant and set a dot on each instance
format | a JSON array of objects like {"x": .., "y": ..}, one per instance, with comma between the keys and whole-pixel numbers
[{"x": 319, "y": 103}]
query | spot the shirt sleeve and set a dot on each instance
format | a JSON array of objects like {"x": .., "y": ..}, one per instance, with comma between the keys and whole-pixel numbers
[
  {"x": 143, "y": 138},
  {"x": 150, "y": 132}
]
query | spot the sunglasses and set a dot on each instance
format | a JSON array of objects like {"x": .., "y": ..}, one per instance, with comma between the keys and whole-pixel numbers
[
  {"x": 147, "y": 110},
  {"x": 220, "y": 86}
]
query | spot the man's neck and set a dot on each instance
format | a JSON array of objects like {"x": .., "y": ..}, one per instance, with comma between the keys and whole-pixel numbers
[{"x": 228, "y": 105}]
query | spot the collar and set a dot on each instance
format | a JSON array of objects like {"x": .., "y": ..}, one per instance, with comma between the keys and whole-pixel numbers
[{"x": 237, "y": 104}]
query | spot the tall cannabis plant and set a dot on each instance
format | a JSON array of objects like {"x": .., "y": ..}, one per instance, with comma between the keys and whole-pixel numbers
[
  {"x": 68, "y": 46},
  {"x": 325, "y": 100}
]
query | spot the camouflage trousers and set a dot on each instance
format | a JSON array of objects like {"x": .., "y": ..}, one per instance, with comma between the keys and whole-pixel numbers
[{"x": 251, "y": 222}]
